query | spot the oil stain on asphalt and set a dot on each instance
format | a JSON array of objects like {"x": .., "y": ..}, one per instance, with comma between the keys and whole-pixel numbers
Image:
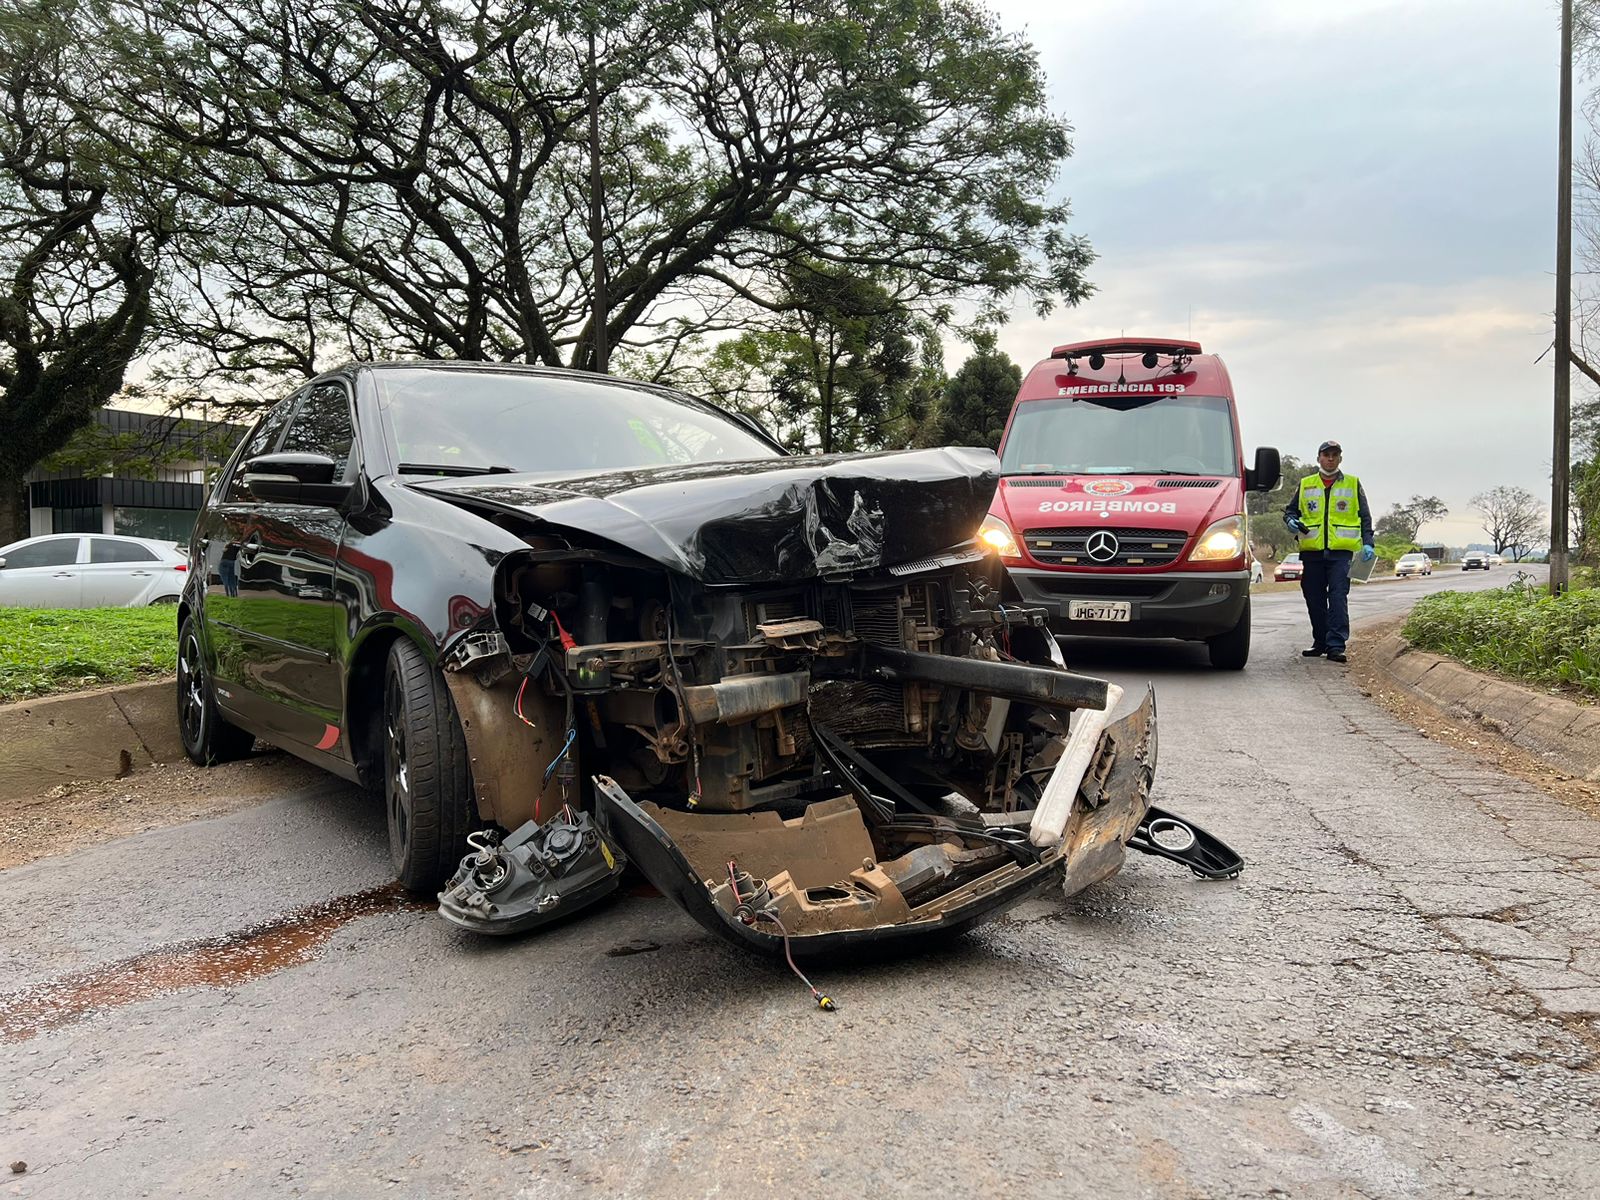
[{"x": 226, "y": 961}]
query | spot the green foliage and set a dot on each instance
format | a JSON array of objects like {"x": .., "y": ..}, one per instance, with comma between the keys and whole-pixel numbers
[
  {"x": 414, "y": 179},
  {"x": 1585, "y": 509},
  {"x": 978, "y": 398},
  {"x": 81, "y": 232},
  {"x": 45, "y": 650},
  {"x": 95, "y": 450},
  {"x": 1519, "y": 630},
  {"x": 844, "y": 367}
]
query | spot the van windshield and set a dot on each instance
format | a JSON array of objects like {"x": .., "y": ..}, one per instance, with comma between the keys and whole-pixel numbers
[{"x": 1119, "y": 435}]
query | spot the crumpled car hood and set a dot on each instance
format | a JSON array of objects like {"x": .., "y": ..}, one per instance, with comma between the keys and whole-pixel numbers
[{"x": 763, "y": 521}]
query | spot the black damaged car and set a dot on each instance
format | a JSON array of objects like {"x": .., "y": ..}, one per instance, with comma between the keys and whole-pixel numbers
[{"x": 563, "y": 622}]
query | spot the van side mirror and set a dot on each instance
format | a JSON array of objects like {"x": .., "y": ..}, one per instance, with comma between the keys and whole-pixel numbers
[
  {"x": 1264, "y": 476},
  {"x": 295, "y": 478}
]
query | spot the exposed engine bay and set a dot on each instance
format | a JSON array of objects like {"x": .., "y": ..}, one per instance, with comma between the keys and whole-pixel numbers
[{"x": 804, "y": 738}]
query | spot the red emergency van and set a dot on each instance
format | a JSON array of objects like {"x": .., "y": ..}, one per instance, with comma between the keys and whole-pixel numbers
[{"x": 1121, "y": 508}]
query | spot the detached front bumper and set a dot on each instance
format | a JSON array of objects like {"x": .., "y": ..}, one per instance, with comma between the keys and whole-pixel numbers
[
  {"x": 1177, "y": 604},
  {"x": 819, "y": 876}
]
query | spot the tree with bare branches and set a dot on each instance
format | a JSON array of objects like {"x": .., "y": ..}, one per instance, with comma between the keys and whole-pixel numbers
[{"x": 1512, "y": 517}]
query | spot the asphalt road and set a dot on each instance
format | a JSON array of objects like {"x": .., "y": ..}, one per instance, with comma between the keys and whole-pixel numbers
[{"x": 1398, "y": 998}]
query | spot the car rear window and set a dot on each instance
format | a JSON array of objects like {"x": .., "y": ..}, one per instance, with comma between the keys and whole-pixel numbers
[{"x": 115, "y": 550}]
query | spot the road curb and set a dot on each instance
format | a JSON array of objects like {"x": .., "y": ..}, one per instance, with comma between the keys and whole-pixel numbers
[
  {"x": 1557, "y": 729},
  {"x": 103, "y": 734}
]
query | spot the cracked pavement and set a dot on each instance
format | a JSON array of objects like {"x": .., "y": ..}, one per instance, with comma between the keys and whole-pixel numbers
[{"x": 1400, "y": 997}]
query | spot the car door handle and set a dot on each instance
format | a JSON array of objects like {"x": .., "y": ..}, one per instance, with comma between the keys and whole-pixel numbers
[
  {"x": 65, "y": 575},
  {"x": 203, "y": 543},
  {"x": 247, "y": 551},
  {"x": 140, "y": 574}
]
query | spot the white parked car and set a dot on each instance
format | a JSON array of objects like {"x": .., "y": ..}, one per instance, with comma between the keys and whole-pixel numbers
[
  {"x": 1413, "y": 564},
  {"x": 90, "y": 570}
]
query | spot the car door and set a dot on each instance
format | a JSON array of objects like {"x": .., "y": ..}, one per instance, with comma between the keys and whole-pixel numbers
[
  {"x": 43, "y": 574},
  {"x": 220, "y": 534},
  {"x": 118, "y": 572},
  {"x": 286, "y": 570}
]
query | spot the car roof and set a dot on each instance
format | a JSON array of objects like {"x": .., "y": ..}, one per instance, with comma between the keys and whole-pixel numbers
[{"x": 168, "y": 545}]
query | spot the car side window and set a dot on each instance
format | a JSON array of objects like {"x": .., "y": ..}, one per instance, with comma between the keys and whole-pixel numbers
[
  {"x": 57, "y": 552},
  {"x": 322, "y": 426},
  {"x": 262, "y": 440},
  {"x": 114, "y": 550}
]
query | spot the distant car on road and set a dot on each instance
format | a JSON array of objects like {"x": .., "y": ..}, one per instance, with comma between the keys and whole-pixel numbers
[
  {"x": 1496, "y": 561},
  {"x": 90, "y": 570},
  {"x": 1290, "y": 568},
  {"x": 1413, "y": 564},
  {"x": 1474, "y": 560}
]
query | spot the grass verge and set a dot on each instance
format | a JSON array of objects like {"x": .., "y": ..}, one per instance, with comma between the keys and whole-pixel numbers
[
  {"x": 45, "y": 650},
  {"x": 1519, "y": 631}
]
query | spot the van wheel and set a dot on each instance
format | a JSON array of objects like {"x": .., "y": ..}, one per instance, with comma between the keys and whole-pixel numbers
[
  {"x": 427, "y": 783},
  {"x": 1230, "y": 651},
  {"x": 207, "y": 738}
]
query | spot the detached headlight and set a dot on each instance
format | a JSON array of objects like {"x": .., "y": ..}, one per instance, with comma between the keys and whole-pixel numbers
[
  {"x": 1221, "y": 541},
  {"x": 995, "y": 535}
]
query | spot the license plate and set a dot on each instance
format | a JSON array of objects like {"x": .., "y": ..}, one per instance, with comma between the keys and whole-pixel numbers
[{"x": 1099, "y": 610}]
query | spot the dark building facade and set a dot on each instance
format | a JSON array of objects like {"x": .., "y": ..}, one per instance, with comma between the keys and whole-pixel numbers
[{"x": 161, "y": 507}]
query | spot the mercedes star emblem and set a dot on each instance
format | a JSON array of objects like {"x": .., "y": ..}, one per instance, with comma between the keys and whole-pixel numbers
[{"x": 1102, "y": 546}]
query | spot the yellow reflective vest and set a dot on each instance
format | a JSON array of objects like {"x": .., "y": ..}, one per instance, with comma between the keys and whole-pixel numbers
[{"x": 1332, "y": 514}]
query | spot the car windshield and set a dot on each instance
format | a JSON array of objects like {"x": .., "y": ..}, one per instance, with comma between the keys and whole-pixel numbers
[
  {"x": 1121, "y": 435},
  {"x": 448, "y": 421}
]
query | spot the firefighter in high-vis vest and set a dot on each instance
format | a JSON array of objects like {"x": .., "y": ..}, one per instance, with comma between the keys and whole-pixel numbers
[{"x": 1330, "y": 516}]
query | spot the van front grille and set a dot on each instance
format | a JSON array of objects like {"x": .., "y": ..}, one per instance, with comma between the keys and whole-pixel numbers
[{"x": 1069, "y": 546}]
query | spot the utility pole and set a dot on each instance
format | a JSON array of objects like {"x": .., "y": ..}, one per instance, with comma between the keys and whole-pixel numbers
[
  {"x": 596, "y": 233},
  {"x": 1561, "y": 452}
]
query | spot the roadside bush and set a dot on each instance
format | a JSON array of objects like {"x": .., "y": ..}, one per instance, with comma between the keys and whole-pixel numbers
[
  {"x": 44, "y": 650},
  {"x": 1518, "y": 630}
]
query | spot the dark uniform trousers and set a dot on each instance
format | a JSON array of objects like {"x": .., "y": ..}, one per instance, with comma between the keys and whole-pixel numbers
[{"x": 1325, "y": 583}]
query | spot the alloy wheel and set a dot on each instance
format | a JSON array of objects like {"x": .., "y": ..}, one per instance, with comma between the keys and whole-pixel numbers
[
  {"x": 397, "y": 769},
  {"x": 191, "y": 691}
]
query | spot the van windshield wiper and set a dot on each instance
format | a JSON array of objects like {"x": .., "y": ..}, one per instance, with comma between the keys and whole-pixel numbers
[{"x": 452, "y": 469}]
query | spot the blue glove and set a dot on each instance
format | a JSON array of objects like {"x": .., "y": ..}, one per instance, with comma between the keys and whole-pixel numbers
[
  {"x": 1297, "y": 525},
  {"x": 1367, "y": 553}
]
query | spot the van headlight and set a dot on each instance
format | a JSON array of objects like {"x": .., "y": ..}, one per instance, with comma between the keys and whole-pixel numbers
[
  {"x": 1221, "y": 541},
  {"x": 996, "y": 535}
]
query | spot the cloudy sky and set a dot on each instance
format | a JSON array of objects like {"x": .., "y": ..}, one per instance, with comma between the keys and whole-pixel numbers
[{"x": 1352, "y": 202}]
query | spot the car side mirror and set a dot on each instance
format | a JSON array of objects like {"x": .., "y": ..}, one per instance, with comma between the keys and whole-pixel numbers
[
  {"x": 2, "y": 564},
  {"x": 296, "y": 477},
  {"x": 1264, "y": 476}
]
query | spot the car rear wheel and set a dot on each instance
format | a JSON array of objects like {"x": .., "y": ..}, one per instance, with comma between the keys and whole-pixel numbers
[
  {"x": 207, "y": 738},
  {"x": 1230, "y": 651},
  {"x": 427, "y": 783}
]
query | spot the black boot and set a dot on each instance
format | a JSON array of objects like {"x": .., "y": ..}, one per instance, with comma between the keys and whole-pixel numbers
[{"x": 1314, "y": 652}]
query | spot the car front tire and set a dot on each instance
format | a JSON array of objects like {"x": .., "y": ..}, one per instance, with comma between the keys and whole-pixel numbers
[
  {"x": 1230, "y": 651},
  {"x": 427, "y": 782},
  {"x": 207, "y": 738}
]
